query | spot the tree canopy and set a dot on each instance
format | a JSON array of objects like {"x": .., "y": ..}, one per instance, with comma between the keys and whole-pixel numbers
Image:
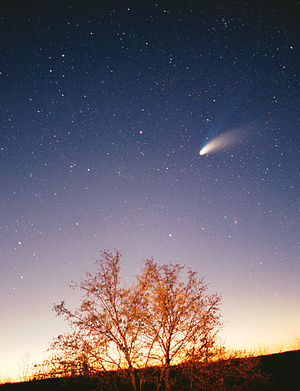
[{"x": 165, "y": 317}]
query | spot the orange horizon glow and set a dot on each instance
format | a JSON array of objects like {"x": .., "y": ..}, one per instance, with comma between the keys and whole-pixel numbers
[{"x": 11, "y": 373}]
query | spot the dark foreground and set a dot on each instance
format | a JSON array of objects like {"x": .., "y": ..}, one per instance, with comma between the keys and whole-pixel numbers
[{"x": 282, "y": 369}]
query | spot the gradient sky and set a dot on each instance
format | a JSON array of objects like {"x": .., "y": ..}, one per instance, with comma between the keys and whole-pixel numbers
[{"x": 104, "y": 110}]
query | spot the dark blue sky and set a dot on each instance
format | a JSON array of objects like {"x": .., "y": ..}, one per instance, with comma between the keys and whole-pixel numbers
[{"x": 104, "y": 109}]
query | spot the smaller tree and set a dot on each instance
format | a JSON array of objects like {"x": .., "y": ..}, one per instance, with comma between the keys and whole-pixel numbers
[
  {"x": 73, "y": 356},
  {"x": 25, "y": 367}
]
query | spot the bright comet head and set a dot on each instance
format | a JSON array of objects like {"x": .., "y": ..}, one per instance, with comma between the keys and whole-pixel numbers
[{"x": 204, "y": 150}]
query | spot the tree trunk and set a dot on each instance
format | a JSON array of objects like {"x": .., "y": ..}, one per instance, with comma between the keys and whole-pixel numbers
[
  {"x": 132, "y": 378},
  {"x": 167, "y": 379},
  {"x": 162, "y": 371},
  {"x": 190, "y": 370}
]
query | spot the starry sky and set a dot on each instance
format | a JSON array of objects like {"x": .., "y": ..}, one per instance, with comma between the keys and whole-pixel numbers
[{"x": 104, "y": 110}]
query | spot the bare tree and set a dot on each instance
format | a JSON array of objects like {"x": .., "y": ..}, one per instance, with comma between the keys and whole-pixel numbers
[
  {"x": 25, "y": 367},
  {"x": 109, "y": 320},
  {"x": 166, "y": 317},
  {"x": 182, "y": 319}
]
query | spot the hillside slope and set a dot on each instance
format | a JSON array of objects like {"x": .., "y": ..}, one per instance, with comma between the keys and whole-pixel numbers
[{"x": 283, "y": 368}]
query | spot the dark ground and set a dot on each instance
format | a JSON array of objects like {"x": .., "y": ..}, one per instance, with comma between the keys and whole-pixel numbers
[{"x": 283, "y": 368}]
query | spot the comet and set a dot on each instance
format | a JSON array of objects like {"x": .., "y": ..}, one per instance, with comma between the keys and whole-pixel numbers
[{"x": 221, "y": 142}]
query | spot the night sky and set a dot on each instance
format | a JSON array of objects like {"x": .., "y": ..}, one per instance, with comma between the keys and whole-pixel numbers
[{"x": 104, "y": 110}]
